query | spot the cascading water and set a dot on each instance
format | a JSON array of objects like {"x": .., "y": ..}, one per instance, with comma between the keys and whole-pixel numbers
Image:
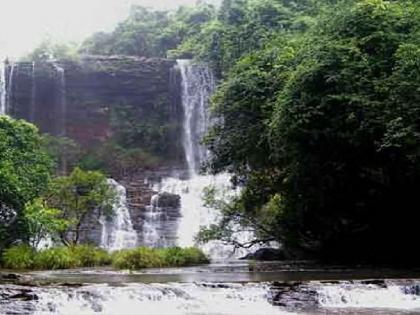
[
  {"x": 117, "y": 231},
  {"x": 152, "y": 223},
  {"x": 33, "y": 94},
  {"x": 2, "y": 89},
  {"x": 197, "y": 86},
  {"x": 10, "y": 88},
  {"x": 198, "y": 83},
  {"x": 62, "y": 100},
  {"x": 210, "y": 299}
]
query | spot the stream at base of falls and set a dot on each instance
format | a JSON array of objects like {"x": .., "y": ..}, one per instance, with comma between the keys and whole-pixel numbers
[{"x": 221, "y": 288}]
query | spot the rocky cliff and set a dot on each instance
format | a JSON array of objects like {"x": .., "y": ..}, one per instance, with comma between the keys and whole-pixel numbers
[
  {"x": 129, "y": 101},
  {"x": 95, "y": 98}
]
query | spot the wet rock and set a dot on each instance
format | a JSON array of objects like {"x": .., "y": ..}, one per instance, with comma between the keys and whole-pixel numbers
[
  {"x": 266, "y": 254},
  {"x": 167, "y": 200},
  {"x": 412, "y": 289},
  {"x": 14, "y": 278},
  {"x": 24, "y": 296},
  {"x": 17, "y": 293},
  {"x": 10, "y": 276},
  {"x": 379, "y": 283},
  {"x": 293, "y": 295}
]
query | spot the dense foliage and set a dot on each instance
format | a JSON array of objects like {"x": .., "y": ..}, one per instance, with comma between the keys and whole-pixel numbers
[
  {"x": 322, "y": 130},
  {"x": 24, "y": 175},
  {"x": 150, "y": 33}
]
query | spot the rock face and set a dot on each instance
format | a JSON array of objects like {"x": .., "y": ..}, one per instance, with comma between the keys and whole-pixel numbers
[
  {"x": 155, "y": 216},
  {"x": 81, "y": 98}
]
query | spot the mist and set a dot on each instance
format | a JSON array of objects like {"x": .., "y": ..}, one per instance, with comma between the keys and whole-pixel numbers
[{"x": 25, "y": 24}]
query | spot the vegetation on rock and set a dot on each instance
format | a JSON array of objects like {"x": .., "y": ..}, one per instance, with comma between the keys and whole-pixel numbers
[{"x": 76, "y": 196}]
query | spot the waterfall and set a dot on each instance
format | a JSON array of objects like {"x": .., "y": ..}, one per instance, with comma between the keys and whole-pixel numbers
[
  {"x": 33, "y": 95},
  {"x": 61, "y": 82},
  {"x": 198, "y": 84},
  {"x": 152, "y": 224},
  {"x": 2, "y": 89},
  {"x": 118, "y": 232},
  {"x": 10, "y": 88}
]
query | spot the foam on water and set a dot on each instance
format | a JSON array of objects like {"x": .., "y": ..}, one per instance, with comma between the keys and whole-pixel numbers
[
  {"x": 368, "y": 296},
  {"x": 174, "y": 299}
]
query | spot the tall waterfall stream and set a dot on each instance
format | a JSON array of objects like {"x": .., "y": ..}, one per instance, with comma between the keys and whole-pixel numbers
[{"x": 198, "y": 83}]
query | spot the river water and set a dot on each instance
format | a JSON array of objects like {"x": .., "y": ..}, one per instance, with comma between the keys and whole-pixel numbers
[{"x": 221, "y": 288}]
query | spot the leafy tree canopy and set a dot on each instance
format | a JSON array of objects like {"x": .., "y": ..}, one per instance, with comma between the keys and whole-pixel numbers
[
  {"x": 77, "y": 196},
  {"x": 322, "y": 131},
  {"x": 24, "y": 174}
]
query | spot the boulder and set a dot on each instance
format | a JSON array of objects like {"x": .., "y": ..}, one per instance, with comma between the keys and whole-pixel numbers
[
  {"x": 266, "y": 254},
  {"x": 167, "y": 200}
]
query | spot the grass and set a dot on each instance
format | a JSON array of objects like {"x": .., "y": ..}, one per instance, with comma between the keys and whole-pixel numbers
[
  {"x": 23, "y": 257},
  {"x": 143, "y": 257}
]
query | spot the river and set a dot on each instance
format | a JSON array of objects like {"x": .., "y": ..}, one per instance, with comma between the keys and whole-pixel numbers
[{"x": 221, "y": 288}]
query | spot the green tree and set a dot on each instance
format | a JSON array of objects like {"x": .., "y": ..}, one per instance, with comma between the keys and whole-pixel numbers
[
  {"x": 65, "y": 152},
  {"x": 24, "y": 175},
  {"x": 42, "y": 222},
  {"x": 77, "y": 196},
  {"x": 322, "y": 132}
]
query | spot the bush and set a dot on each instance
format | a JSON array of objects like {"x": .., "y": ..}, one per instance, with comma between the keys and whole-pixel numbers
[
  {"x": 24, "y": 257},
  {"x": 56, "y": 258},
  {"x": 137, "y": 258},
  {"x": 90, "y": 256},
  {"x": 152, "y": 258},
  {"x": 18, "y": 257},
  {"x": 71, "y": 257},
  {"x": 176, "y": 256}
]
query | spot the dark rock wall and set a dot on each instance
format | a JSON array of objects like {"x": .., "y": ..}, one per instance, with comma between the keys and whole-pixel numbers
[{"x": 94, "y": 87}]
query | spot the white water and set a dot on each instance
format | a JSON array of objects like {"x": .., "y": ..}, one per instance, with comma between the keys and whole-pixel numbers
[
  {"x": 352, "y": 295},
  {"x": 2, "y": 89},
  {"x": 9, "y": 91},
  {"x": 152, "y": 299},
  {"x": 213, "y": 299},
  {"x": 152, "y": 222},
  {"x": 62, "y": 101},
  {"x": 118, "y": 232},
  {"x": 198, "y": 84},
  {"x": 33, "y": 93}
]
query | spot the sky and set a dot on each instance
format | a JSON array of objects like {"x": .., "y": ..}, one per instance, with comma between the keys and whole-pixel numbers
[{"x": 26, "y": 23}]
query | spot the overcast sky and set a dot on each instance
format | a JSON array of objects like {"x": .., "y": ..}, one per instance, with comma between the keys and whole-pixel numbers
[{"x": 25, "y": 23}]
